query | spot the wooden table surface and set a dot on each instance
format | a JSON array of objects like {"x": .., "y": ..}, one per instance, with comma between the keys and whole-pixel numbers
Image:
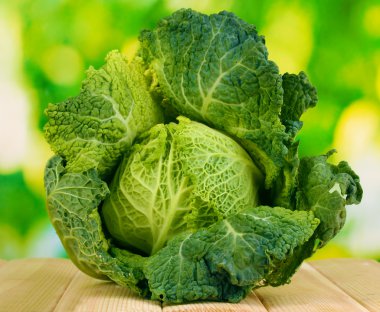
[{"x": 56, "y": 285}]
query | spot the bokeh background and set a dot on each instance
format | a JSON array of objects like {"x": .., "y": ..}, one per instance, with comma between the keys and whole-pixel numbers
[{"x": 46, "y": 45}]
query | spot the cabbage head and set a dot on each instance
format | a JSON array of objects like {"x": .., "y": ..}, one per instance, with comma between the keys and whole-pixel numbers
[
  {"x": 176, "y": 173},
  {"x": 178, "y": 177}
]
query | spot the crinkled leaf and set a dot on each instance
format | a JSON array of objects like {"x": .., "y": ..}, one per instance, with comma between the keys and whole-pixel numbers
[
  {"x": 299, "y": 95},
  {"x": 228, "y": 259},
  {"x": 215, "y": 69},
  {"x": 178, "y": 177},
  {"x": 326, "y": 189},
  {"x": 285, "y": 268},
  {"x": 93, "y": 129},
  {"x": 72, "y": 203},
  {"x": 283, "y": 191},
  {"x": 222, "y": 262}
]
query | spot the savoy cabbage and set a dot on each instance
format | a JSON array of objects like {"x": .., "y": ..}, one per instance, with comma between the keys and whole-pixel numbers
[{"x": 177, "y": 173}]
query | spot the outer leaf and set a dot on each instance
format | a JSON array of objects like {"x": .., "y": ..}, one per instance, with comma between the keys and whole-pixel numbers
[
  {"x": 225, "y": 261},
  {"x": 177, "y": 177},
  {"x": 283, "y": 191},
  {"x": 215, "y": 69},
  {"x": 325, "y": 189},
  {"x": 93, "y": 129},
  {"x": 285, "y": 268},
  {"x": 299, "y": 95},
  {"x": 222, "y": 262},
  {"x": 72, "y": 202}
]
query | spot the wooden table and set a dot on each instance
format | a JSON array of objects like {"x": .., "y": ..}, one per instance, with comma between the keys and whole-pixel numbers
[{"x": 56, "y": 285}]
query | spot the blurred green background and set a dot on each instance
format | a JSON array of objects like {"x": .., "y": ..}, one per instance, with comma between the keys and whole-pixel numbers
[{"x": 46, "y": 45}]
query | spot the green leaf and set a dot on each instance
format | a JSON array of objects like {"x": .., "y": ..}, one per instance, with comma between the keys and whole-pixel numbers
[
  {"x": 215, "y": 69},
  {"x": 299, "y": 95},
  {"x": 284, "y": 188},
  {"x": 72, "y": 203},
  {"x": 225, "y": 261},
  {"x": 93, "y": 129},
  {"x": 326, "y": 189}
]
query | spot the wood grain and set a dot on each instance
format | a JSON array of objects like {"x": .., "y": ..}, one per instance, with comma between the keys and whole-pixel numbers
[
  {"x": 308, "y": 291},
  {"x": 88, "y": 294},
  {"x": 34, "y": 284},
  {"x": 249, "y": 304},
  {"x": 358, "y": 278},
  {"x": 56, "y": 285}
]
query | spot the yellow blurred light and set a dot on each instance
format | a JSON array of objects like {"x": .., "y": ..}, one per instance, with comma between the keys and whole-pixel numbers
[
  {"x": 130, "y": 48},
  {"x": 357, "y": 139},
  {"x": 14, "y": 123},
  {"x": 95, "y": 31},
  {"x": 372, "y": 20},
  {"x": 204, "y": 6},
  {"x": 358, "y": 130},
  {"x": 288, "y": 34},
  {"x": 14, "y": 106},
  {"x": 10, "y": 43},
  {"x": 34, "y": 164},
  {"x": 62, "y": 64},
  {"x": 37, "y": 149}
]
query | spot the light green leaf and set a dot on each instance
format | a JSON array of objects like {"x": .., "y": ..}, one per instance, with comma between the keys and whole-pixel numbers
[
  {"x": 72, "y": 203},
  {"x": 178, "y": 177},
  {"x": 93, "y": 129}
]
